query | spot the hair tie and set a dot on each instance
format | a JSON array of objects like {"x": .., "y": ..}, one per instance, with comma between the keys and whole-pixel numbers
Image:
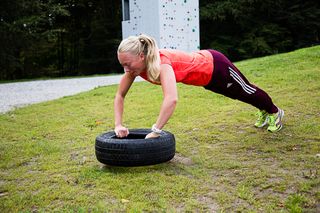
[{"x": 142, "y": 40}]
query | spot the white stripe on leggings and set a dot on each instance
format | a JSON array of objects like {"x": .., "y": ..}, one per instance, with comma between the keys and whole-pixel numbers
[{"x": 247, "y": 88}]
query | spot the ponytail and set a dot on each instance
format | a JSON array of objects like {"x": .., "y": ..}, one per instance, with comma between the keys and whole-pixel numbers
[{"x": 148, "y": 46}]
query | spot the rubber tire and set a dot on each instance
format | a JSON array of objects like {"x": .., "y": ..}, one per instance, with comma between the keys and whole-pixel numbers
[{"x": 134, "y": 150}]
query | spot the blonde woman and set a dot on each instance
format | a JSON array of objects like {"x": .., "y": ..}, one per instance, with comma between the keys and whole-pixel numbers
[{"x": 140, "y": 56}]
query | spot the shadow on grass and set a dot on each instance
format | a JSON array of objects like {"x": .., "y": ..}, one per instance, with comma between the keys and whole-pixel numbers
[{"x": 175, "y": 166}]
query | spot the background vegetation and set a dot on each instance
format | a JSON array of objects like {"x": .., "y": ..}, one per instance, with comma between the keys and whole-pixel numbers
[
  {"x": 222, "y": 163},
  {"x": 40, "y": 38}
]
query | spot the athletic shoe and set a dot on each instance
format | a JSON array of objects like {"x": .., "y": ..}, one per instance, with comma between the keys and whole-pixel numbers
[
  {"x": 262, "y": 119},
  {"x": 275, "y": 121}
]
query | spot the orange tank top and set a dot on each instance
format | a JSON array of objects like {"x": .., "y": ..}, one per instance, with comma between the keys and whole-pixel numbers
[{"x": 194, "y": 68}]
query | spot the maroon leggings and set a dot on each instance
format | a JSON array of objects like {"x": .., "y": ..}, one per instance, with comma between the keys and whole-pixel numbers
[{"x": 229, "y": 81}]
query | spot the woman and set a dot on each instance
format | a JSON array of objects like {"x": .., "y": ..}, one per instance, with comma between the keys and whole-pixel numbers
[{"x": 140, "y": 56}]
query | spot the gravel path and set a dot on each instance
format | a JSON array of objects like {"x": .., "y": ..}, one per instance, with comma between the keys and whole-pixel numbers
[{"x": 20, "y": 94}]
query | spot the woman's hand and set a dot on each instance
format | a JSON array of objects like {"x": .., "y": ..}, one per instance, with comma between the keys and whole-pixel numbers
[
  {"x": 152, "y": 135},
  {"x": 121, "y": 131}
]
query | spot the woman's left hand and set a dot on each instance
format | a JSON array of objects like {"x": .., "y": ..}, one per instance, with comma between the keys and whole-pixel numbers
[{"x": 152, "y": 135}]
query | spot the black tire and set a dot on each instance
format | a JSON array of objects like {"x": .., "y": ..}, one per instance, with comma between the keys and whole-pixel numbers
[{"x": 134, "y": 150}]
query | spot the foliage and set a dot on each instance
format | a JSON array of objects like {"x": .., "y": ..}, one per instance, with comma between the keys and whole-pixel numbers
[
  {"x": 250, "y": 28},
  {"x": 43, "y": 38},
  {"x": 222, "y": 163},
  {"x": 58, "y": 37}
]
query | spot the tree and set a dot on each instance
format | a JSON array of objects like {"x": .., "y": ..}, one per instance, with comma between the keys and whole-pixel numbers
[
  {"x": 80, "y": 37},
  {"x": 27, "y": 37},
  {"x": 251, "y": 28},
  {"x": 101, "y": 37}
]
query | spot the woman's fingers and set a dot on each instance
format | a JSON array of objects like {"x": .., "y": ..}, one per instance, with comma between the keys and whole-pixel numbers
[
  {"x": 121, "y": 132},
  {"x": 152, "y": 135}
]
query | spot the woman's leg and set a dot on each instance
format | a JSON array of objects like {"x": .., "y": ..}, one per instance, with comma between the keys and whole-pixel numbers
[{"x": 229, "y": 81}]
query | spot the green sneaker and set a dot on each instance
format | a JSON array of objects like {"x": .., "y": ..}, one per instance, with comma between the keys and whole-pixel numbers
[
  {"x": 275, "y": 121},
  {"x": 262, "y": 119}
]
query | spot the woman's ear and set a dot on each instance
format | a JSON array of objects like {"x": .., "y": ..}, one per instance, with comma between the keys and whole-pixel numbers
[{"x": 142, "y": 56}]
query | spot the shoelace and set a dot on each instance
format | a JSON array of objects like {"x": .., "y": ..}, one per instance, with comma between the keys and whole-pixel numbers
[
  {"x": 272, "y": 120},
  {"x": 261, "y": 115}
]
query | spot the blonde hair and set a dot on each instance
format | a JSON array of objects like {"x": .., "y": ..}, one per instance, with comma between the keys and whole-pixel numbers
[{"x": 147, "y": 45}]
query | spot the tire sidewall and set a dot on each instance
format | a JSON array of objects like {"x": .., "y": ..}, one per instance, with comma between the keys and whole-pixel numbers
[{"x": 134, "y": 152}]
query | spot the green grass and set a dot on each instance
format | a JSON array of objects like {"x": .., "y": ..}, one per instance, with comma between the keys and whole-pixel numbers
[{"x": 223, "y": 163}]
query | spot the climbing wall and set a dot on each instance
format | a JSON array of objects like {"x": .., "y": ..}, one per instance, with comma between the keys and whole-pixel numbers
[{"x": 173, "y": 23}]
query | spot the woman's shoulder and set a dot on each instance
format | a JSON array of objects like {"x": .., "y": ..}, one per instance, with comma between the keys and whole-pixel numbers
[
  {"x": 179, "y": 55},
  {"x": 168, "y": 52}
]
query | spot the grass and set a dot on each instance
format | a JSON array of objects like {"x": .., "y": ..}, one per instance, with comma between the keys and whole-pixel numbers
[{"x": 222, "y": 163}]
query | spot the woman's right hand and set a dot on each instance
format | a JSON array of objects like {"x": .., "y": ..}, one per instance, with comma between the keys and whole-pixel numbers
[
  {"x": 121, "y": 131},
  {"x": 125, "y": 83}
]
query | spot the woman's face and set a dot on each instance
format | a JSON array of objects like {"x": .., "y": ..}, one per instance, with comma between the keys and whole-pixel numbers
[{"x": 133, "y": 64}]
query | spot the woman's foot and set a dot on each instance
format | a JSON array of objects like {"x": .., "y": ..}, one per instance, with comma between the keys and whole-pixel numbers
[
  {"x": 275, "y": 121},
  {"x": 262, "y": 119}
]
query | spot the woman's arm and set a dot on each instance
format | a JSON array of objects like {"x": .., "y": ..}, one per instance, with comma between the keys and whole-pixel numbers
[
  {"x": 170, "y": 97},
  {"x": 125, "y": 84}
]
